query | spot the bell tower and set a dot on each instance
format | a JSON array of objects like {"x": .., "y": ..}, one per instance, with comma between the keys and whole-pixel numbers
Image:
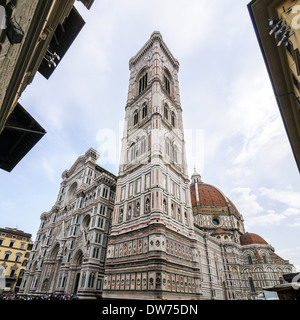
[{"x": 151, "y": 249}]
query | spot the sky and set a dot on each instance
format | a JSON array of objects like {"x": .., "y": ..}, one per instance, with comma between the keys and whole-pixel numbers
[{"x": 233, "y": 129}]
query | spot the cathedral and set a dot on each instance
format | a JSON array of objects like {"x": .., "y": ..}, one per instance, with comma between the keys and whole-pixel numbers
[{"x": 152, "y": 232}]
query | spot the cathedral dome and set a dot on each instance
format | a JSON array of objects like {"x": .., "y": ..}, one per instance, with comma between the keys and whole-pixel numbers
[
  {"x": 251, "y": 238},
  {"x": 205, "y": 197}
]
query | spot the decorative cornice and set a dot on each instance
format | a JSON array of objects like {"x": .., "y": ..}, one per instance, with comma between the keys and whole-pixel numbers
[{"x": 156, "y": 36}]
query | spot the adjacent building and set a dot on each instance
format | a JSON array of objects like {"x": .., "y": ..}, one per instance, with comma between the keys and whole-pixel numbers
[
  {"x": 15, "y": 246},
  {"x": 149, "y": 233},
  {"x": 34, "y": 36},
  {"x": 277, "y": 28}
]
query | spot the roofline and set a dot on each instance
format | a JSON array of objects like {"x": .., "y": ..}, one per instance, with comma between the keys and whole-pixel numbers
[
  {"x": 16, "y": 232},
  {"x": 155, "y": 36}
]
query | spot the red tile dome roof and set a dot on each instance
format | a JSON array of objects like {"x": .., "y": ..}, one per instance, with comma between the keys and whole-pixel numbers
[
  {"x": 207, "y": 196},
  {"x": 251, "y": 238}
]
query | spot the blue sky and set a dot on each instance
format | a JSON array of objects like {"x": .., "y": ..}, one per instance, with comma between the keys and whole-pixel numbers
[{"x": 234, "y": 133}]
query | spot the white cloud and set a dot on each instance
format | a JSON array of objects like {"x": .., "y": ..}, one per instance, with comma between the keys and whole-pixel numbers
[
  {"x": 269, "y": 219},
  {"x": 288, "y": 197},
  {"x": 295, "y": 224},
  {"x": 245, "y": 201},
  {"x": 50, "y": 171}
]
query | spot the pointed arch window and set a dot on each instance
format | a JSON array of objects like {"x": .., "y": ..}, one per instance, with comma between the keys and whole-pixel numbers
[
  {"x": 250, "y": 261},
  {"x": 251, "y": 283},
  {"x": 167, "y": 84},
  {"x": 167, "y": 147},
  {"x": 143, "y": 145},
  {"x": 145, "y": 111},
  {"x": 179, "y": 214},
  {"x": 173, "y": 119},
  {"x": 172, "y": 211},
  {"x": 143, "y": 82},
  {"x": 166, "y": 112},
  {"x": 165, "y": 205},
  {"x": 136, "y": 118}
]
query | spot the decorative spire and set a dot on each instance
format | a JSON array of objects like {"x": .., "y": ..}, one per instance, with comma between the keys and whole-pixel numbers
[{"x": 196, "y": 177}]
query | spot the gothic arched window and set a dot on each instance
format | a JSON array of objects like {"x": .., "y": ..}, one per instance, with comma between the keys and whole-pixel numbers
[
  {"x": 165, "y": 205},
  {"x": 135, "y": 118},
  {"x": 173, "y": 119},
  {"x": 167, "y": 84},
  {"x": 172, "y": 210},
  {"x": 166, "y": 112},
  {"x": 143, "y": 82},
  {"x": 145, "y": 110},
  {"x": 251, "y": 283},
  {"x": 179, "y": 214},
  {"x": 167, "y": 147},
  {"x": 249, "y": 259},
  {"x": 143, "y": 145}
]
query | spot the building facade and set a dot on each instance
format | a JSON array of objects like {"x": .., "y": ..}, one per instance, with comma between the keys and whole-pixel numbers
[
  {"x": 34, "y": 37},
  {"x": 150, "y": 233},
  {"x": 15, "y": 246},
  {"x": 70, "y": 248},
  {"x": 276, "y": 24}
]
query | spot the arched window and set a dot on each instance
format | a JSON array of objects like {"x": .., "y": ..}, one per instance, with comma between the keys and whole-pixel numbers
[
  {"x": 83, "y": 279},
  {"x": 134, "y": 152},
  {"x": 91, "y": 280},
  {"x": 179, "y": 214},
  {"x": 135, "y": 118},
  {"x": 167, "y": 147},
  {"x": 173, "y": 119},
  {"x": 167, "y": 84},
  {"x": 166, "y": 112},
  {"x": 145, "y": 111},
  {"x": 249, "y": 259},
  {"x": 143, "y": 82},
  {"x": 251, "y": 283},
  {"x": 172, "y": 210},
  {"x": 143, "y": 145},
  {"x": 165, "y": 205},
  {"x": 186, "y": 221},
  {"x": 265, "y": 258}
]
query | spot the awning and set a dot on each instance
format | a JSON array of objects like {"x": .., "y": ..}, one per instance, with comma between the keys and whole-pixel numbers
[
  {"x": 21, "y": 132},
  {"x": 63, "y": 37}
]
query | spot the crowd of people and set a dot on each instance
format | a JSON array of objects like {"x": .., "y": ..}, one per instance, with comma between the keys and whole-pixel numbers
[{"x": 53, "y": 296}]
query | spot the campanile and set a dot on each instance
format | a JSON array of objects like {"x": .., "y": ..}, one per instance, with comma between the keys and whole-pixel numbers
[{"x": 151, "y": 249}]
